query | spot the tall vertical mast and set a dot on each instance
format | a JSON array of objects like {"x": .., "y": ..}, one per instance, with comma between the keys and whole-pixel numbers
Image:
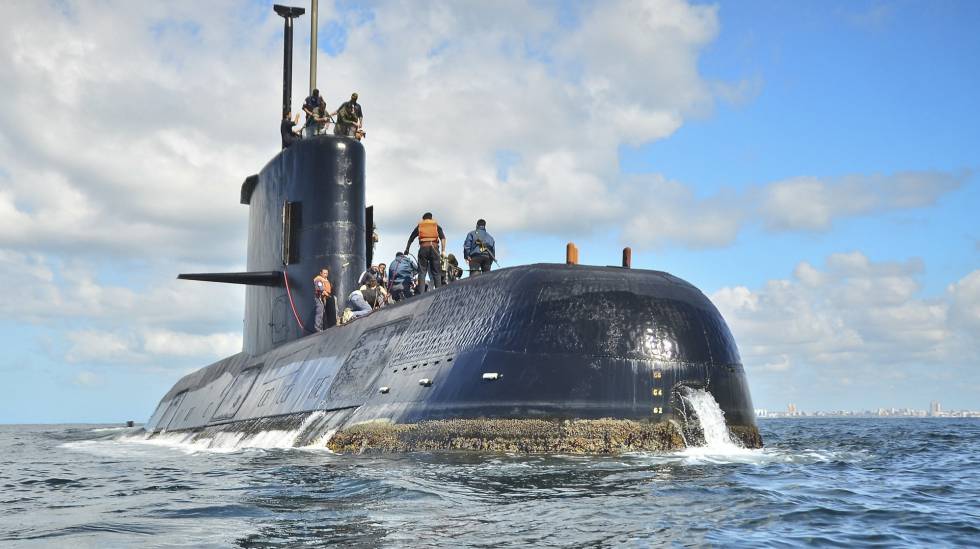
[
  {"x": 288, "y": 14},
  {"x": 313, "y": 50}
]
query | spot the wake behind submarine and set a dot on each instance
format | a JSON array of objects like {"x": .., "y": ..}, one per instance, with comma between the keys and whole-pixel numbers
[{"x": 534, "y": 358}]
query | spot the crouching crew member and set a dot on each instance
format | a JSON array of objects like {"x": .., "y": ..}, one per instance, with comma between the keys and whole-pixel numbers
[
  {"x": 365, "y": 300},
  {"x": 430, "y": 235},
  {"x": 401, "y": 276},
  {"x": 479, "y": 250},
  {"x": 322, "y": 294}
]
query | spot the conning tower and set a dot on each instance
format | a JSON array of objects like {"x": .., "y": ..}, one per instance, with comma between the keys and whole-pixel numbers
[{"x": 306, "y": 211}]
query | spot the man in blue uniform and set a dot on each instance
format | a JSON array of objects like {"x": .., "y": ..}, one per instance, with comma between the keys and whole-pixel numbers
[
  {"x": 310, "y": 106},
  {"x": 401, "y": 275},
  {"x": 479, "y": 250}
]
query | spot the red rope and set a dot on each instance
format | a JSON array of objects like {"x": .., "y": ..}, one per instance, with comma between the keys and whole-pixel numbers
[{"x": 285, "y": 277}]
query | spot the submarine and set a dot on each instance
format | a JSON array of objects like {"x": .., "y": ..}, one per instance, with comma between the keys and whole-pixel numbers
[{"x": 533, "y": 358}]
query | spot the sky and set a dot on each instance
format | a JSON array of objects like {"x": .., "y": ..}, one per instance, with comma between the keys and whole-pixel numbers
[{"x": 812, "y": 167}]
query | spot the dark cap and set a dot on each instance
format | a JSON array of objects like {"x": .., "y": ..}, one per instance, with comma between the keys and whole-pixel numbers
[
  {"x": 427, "y": 215},
  {"x": 316, "y": 92},
  {"x": 481, "y": 223}
]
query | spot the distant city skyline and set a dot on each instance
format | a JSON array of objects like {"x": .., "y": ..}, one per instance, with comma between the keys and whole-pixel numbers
[{"x": 935, "y": 410}]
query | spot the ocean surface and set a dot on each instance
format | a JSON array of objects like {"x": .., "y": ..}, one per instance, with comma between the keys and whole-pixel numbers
[{"x": 845, "y": 482}]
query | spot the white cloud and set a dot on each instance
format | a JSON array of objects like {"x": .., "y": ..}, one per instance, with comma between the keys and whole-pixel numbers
[
  {"x": 112, "y": 324},
  {"x": 965, "y": 298},
  {"x": 658, "y": 212},
  {"x": 165, "y": 342},
  {"x": 86, "y": 379},
  {"x": 812, "y": 204},
  {"x": 94, "y": 345},
  {"x": 150, "y": 347},
  {"x": 854, "y": 316}
]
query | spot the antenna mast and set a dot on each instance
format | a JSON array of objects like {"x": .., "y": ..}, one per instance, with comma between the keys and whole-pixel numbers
[
  {"x": 288, "y": 14},
  {"x": 313, "y": 50}
]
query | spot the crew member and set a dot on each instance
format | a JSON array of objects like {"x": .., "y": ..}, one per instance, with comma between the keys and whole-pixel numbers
[
  {"x": 430, "y": 235},
  {"x": 350, "y": 118},
  {"x": 310, "y": 106},
  {"x": 370, "y": 273},
  {"x": 322, "y": 118},
  {"x": 401, "y": 276},
  {"x": 450, "y": 269},
  {"x": 289, "y": 136},
  {"x": 364, "y": 300},
  {"x": 321, "y": 295},
  {"x": 479, "y": 250}
]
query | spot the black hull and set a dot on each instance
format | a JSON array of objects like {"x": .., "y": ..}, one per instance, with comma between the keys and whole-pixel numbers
[
  {"x": 564, "y": 342},
  {"x": 484, "y": 356}
]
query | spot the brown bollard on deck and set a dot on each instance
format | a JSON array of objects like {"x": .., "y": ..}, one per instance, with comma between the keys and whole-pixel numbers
[
  {"x": 571, "y": 254},
  {"x": 627, "y": 257}
]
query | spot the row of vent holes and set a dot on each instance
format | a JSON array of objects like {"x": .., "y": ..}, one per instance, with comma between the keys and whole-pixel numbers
[{"x": 414, "y": 366}]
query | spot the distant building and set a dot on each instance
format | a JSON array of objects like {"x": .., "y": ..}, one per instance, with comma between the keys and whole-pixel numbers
[
  {"x": 791, "y": 409},
  {"x": 935, "y": 408}
]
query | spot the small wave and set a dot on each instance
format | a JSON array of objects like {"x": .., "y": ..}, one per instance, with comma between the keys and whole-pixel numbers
[
  {"x": 112, "y": 429},
  {"x": 702, "y": 455},
  {"x": 195, "y": 442}
]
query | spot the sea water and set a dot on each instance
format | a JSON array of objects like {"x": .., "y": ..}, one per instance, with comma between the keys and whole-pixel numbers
[{"x": 846, "y": 482}]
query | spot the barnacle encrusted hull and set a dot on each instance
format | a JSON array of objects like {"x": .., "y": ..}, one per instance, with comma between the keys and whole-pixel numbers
[{"x": 583, "y": 436}]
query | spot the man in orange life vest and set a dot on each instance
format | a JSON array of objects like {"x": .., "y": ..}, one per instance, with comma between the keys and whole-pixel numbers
[
  {"x": 321, "y": 296},
  {"x": 430, "y": 235}
]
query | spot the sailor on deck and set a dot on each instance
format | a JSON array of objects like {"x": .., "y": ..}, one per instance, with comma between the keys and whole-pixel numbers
[
  {"x": 365, "y": 300},
  {"x": 479, "y": 250},
  {"x": 401, "y": 276},
  {"x": 315, "y": 108},
  {"x": 321, "y": 295},
  {"x": 286, "y": 131},
  {"x": 430, "y": 235},
  {"x": 350, "y": 118}
]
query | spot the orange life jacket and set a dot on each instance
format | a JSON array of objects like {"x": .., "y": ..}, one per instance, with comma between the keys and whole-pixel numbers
[
  {"x": 428, "y": 231},
  {"x": 321, "y": 286}
]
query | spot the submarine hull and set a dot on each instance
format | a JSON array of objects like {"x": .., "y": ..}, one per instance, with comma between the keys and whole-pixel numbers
[
  {"x": 532, "y": 352},
  {"x": 536, "y": 358}
]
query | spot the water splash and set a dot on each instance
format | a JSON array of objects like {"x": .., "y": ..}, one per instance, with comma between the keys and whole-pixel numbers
[
  {"x": 229, "y": 441},
  {"x": 711, "y": 419}
]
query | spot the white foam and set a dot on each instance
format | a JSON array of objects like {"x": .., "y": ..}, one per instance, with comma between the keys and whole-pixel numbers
[
  {"x": 712, "y": 420},
  {"x": 720, "y": 448},
  {"x": 109, "y": 429},
  {"x": 223, "y": 442}
]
